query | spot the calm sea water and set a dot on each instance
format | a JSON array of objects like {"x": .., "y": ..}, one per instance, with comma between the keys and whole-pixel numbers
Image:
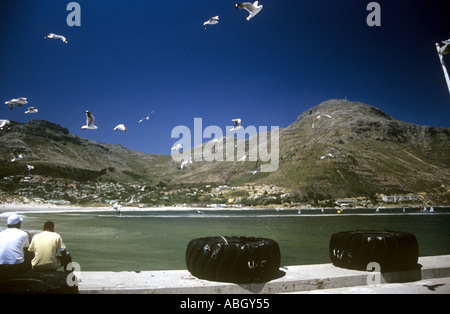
[{"x": 157, "y": 239}]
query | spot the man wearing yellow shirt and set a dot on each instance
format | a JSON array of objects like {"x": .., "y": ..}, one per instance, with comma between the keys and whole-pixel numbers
[{"x": 45, "y": 245}]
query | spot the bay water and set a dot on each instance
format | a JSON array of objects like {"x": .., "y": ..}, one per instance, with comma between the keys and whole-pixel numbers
[{"x": 156, "y": 239}]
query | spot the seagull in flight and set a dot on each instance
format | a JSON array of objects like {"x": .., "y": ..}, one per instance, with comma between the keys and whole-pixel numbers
[
  {"x": 16, "y": 157},
  {"x": 237, "y": 124},
  {"x": 253, "y": 9},
  {"x": 89, "y": 122},
  {"x": 446, "y": 48},
  {"x": 4, "y": 124},
  {"x": 16, "y": 101},
  {"x": 319, "y": 117},
  {"x": 147, "y": 117},
  {"x": 62, "y": 38},
  {"x": 31, "y": 110},
  {"x": 177, "y": 147},
  {"x": 120, "y": 127},
  {"x": 211, "y": 21},
  {"x": 185, "y": 162},
  {"x": 327, "y": 155}
]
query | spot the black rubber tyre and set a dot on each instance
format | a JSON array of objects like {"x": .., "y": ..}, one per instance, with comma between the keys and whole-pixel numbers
[
  {"x": 393, "y": 250},
  {"x": 233, "y": 259}
]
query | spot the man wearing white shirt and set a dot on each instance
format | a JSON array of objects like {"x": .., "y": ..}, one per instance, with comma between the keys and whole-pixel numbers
[{"x": 14, "y": 247}]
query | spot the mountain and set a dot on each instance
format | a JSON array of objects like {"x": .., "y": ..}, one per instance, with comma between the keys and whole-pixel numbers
[
  {"x": 343, "y": 149},
  {"x": 337, "y": 148},
  {"x": 372, "y": 153},
  {"x": 54, "y": 152}
]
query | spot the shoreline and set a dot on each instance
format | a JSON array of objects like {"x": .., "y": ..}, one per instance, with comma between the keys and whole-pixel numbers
[{"x": 44, "y": 208}]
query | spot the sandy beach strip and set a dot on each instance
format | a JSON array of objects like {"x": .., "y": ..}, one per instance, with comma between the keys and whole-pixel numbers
[{"x": 49, "y": 208}]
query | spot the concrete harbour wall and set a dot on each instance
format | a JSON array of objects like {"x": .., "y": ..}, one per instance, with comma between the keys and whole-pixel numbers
[{"x": 292, "y": 279}]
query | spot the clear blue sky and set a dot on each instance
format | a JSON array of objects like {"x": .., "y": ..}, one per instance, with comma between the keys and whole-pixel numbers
[{"x": 131, "y": 57}]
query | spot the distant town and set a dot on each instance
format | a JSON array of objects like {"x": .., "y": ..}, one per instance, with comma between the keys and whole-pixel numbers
[{"x": 45, "y": 190}]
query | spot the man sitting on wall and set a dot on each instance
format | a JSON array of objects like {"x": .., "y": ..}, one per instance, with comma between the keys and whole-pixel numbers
[
  {"x": 14, "y": 255},
  {"x": 45, "y": 246}
]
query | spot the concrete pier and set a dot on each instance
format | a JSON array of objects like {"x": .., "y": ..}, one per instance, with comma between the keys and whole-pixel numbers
[{"x": 433, "y": 276}]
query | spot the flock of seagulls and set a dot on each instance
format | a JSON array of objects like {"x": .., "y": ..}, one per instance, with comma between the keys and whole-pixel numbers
[
  {"x": 6, "y": 124},
  {"x": 252, "y": 8},
  {"x": 237, "y": 126},
  {"x": 321, "y": 116}
]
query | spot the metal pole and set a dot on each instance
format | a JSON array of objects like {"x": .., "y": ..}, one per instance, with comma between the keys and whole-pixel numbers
[{"x": 441, "y": 57}]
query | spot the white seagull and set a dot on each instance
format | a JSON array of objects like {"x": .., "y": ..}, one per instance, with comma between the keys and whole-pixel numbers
[
  {"x": 120, "y": 127},
  {"x": 4, "y": 124},
  {"x": 185, "y": 162},
  {"x": 89, "y": 122},
  {"x": 19, "y": 156},
  {"x": 30, "y": 167},
  {"x": 326, "y": 155},
  {"x": 16, "y": 101},
  {"x": 117, "y": 207},
  {"x": 31, "y": 110},
  {"x": 319, "y": 117},
  {"x": 146, "y": 118},
  {"x": 51, "y": 35},
  {"x": 177, "y": 147},
  {"x": 253, "y": 9},
  {"x": 446, "y": 48},
  {"x": 211, "y": 21},
  {"x": 237, "y": 125}
]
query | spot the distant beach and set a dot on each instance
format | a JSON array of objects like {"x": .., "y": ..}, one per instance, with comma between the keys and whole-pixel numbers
[
  {"x": 36, "y": 208},
  {"x": 33, "y": 207},
  {"x": 43, "y": 208}
]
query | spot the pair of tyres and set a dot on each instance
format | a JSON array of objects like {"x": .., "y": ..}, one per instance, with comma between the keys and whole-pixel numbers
[
  {"x": 392, "y": 250},
  {"x": 233, "y": 259}
]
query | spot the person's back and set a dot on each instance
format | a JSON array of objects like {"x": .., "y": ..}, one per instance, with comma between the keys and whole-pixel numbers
[
  {"x": 13, "y": 245},
  {"x": 45, "y": 246}
]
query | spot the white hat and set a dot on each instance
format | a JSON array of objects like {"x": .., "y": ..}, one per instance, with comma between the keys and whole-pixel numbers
[{"x": 13, "y": 219}]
